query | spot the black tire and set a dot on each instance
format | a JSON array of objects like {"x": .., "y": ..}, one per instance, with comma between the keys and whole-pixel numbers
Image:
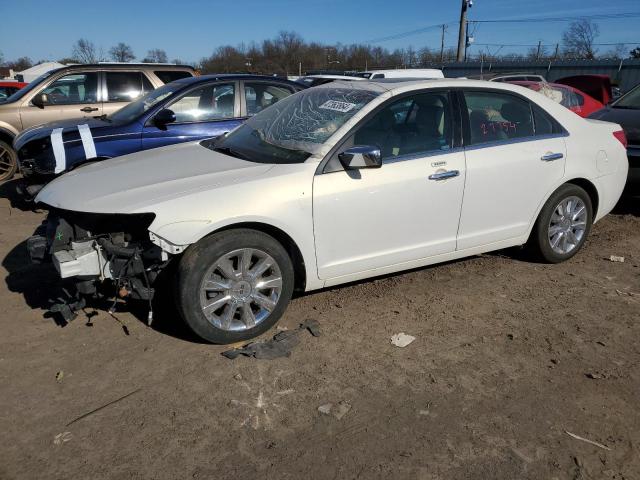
[
  {"x": 197, "y": 261},
  {"x": 539, "y": 244},
  {"x": 8, "y": 161}
]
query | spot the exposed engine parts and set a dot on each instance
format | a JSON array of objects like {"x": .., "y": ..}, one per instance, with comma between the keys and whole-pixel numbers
[{"x": 79, "y": 247}]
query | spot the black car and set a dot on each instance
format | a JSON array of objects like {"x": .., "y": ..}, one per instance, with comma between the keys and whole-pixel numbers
[{"x": 626, "y": 112}]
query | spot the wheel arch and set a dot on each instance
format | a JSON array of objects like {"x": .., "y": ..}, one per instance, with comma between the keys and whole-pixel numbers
[
  {"x": 581, "y": 182},
  {"x": 297, "y": 259},
  {"x": 591, "y": 190},
  {"x": 6, "y": 136}
]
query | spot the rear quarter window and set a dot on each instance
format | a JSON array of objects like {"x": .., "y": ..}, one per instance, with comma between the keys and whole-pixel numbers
[{"x": 168, "y": 76}]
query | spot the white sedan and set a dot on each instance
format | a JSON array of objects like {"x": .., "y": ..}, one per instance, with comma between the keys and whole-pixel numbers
[{"x": 337, "y": 183}]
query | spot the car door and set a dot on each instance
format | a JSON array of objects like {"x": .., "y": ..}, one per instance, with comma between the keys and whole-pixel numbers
[
  {"x": 72, "y": 95},
  {"x": 122, "y": 87},
  {"x": 515, "y": 152},
  {"x": 404, "y": 211},
  {"x": 205, "y": 111}
]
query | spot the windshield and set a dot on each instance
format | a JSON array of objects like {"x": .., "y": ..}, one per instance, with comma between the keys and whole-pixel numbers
[
  {"x": 23, "y": 91},
  {"x": 631, "y": 100},
  {"x": 133, "y": 110},
  {"x": 294, "y": 128}
]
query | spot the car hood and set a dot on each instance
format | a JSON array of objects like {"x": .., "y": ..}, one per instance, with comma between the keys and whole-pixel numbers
[
  {"x": 629, "y": 120},
  {"x": 138, "y": 182},
  {"x": 98, "y": 127}
]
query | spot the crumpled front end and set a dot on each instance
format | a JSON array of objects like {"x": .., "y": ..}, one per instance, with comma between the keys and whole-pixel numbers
[{"x": 107, "y": 255}]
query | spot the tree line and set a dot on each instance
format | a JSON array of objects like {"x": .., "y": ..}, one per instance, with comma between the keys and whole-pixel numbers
[{"x": 289, "y": 53}]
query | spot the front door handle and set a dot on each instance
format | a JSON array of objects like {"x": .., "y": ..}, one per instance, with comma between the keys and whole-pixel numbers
[
  {"x": 444, "y": 175},
  {"x": 550, "y": 157},
  {"x": 88, "y": 109}
]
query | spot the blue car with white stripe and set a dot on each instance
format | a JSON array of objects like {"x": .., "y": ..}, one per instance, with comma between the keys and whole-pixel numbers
[{"x": 186, "y": 110}]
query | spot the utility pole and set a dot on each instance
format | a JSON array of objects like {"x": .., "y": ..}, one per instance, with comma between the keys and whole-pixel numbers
[
  {"x": 462, "y": 34},
  {"x": 444, "y": 29},
  {"x": 555, "y": 57},
  {"x": 539, "y": 49}
]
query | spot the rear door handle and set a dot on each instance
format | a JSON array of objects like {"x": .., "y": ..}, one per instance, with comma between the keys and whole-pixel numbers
[
  {"x": 88, "y": 109},
  {"x": 549, "y": 157},
  {"x": 444, "y": 175}
]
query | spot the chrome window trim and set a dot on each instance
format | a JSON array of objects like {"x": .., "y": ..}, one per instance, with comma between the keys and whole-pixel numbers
[
  {"x": 512, "y": 141},
  {"x": 420, "y": 155}
]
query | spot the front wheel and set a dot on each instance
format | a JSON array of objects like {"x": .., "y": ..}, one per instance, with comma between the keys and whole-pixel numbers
[
  {"x": 563, "y": 224},
  {"x": 8, "y": 161},
  {"x": 234, "y": 285}
]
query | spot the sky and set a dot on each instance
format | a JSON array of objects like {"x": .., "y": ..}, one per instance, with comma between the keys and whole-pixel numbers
[{"x": 192, "y": 29}]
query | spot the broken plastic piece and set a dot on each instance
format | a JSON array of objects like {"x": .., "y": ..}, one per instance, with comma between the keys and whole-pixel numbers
[{"x": 279, "y": 346}]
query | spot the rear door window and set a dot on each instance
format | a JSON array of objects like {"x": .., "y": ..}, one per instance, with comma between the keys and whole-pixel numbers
[
  {"x": 124, "y": 86},
  {"x": 260, "y": 95},
  {"x": 495, "y": 116},
  {"x": 168, "y": 76}
]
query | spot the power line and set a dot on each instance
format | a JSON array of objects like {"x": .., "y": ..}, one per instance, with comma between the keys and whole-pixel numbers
[
  {"x": 410, "y": 33},
  {"x": 535, "y": 44},
  {"x": 604, "y": 16}
]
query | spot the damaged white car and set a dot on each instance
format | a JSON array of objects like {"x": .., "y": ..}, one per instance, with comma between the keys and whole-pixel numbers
[{"x": 334, "y": 184}]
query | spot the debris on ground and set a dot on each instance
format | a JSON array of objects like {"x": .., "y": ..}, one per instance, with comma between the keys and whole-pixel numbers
[
  {"x": 578, "y": 437},
  {"x": 281, "y": 345},
  {"x": 402, "y": 339},
  {"x": 616, "y": 258},
  {"x": 61, "y": 438},
  {"x": 595, "y": 375},
  {"x": 337, "y": 411},
  {"x": 59, "y": 376}
]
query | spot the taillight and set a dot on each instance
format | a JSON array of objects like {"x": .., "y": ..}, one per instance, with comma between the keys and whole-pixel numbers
[{"x": 622, "y": 138}]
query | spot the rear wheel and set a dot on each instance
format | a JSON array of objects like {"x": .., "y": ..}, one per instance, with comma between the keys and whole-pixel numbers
[
  {"x": 234, "y": 285},
  {"x": 563, "y": 224},
  {"x": 8, "y": 161}
]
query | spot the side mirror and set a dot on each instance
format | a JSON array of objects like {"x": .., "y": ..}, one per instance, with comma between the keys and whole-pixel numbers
[
  {"x": 40, "y": 100},
  {"x": 164, "y": 117},
  {"x": 364, "y": 156}
]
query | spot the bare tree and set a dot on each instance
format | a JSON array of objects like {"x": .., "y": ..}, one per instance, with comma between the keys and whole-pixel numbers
[
  {"x": 579, "y": 39},
  {"x": 20, "y": 64},
  {"x": 121, "y": 53},
  {"x": 618, "y": 52},
  {"x": 156, "y": 56},
  {"x": 1, "y": 58},
  {"x": 86, "y": 52}
]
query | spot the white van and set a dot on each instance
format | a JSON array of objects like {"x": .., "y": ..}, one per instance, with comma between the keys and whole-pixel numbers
[{"x": 403, "y": 73}]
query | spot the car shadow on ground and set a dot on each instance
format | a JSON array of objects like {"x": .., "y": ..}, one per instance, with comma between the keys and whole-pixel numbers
[
  {"x": 628, "y": 205},
  {"x": 8, "y": 191},
  {"x": 41, "y": 288}
]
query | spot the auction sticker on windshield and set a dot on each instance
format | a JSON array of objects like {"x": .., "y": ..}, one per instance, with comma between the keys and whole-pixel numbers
[{"x": 337, "y": 106}]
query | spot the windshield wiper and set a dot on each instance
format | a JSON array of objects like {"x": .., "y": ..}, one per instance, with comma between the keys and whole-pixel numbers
[
  {"x": 626, "y": 107},
  {"x": 230, "y": 152}
]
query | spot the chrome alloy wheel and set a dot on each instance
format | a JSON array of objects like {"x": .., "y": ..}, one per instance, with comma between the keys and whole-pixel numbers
[
  {"x": 240, "y": 289},
  {"x": 6, "y": 162},
  {"x": 567, "y": 225}
]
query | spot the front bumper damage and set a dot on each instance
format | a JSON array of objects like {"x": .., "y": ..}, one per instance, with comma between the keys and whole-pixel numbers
[{"x": 107, "y": 256}]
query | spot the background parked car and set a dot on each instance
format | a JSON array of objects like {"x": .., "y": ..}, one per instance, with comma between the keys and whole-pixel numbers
[
  {"x": 626, "y": 112},
  {"x": 315, "y": 80},
  {"x": 8, "y": 88},
  {"x": 185, "y": 110},
  {"x": 572, "y": 98},
  {"x": 508, "y": 77},
  {"x": 402, "y": 73},
  {"x": 596, "y": 86},
  {"x": 77, "y": 91}
]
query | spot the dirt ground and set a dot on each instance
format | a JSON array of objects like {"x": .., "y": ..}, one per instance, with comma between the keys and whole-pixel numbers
[{"x": 510, "y": 356}]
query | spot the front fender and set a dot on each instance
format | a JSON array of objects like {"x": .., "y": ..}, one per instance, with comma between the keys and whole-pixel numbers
[
  {"x": 8, "y": 130},
  {"x": 177, "y": 236}
]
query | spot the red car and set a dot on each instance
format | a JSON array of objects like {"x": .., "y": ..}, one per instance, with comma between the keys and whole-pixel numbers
[
  {"x": 9, "y": 88},
  {"x": 570, "y": 97}
]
